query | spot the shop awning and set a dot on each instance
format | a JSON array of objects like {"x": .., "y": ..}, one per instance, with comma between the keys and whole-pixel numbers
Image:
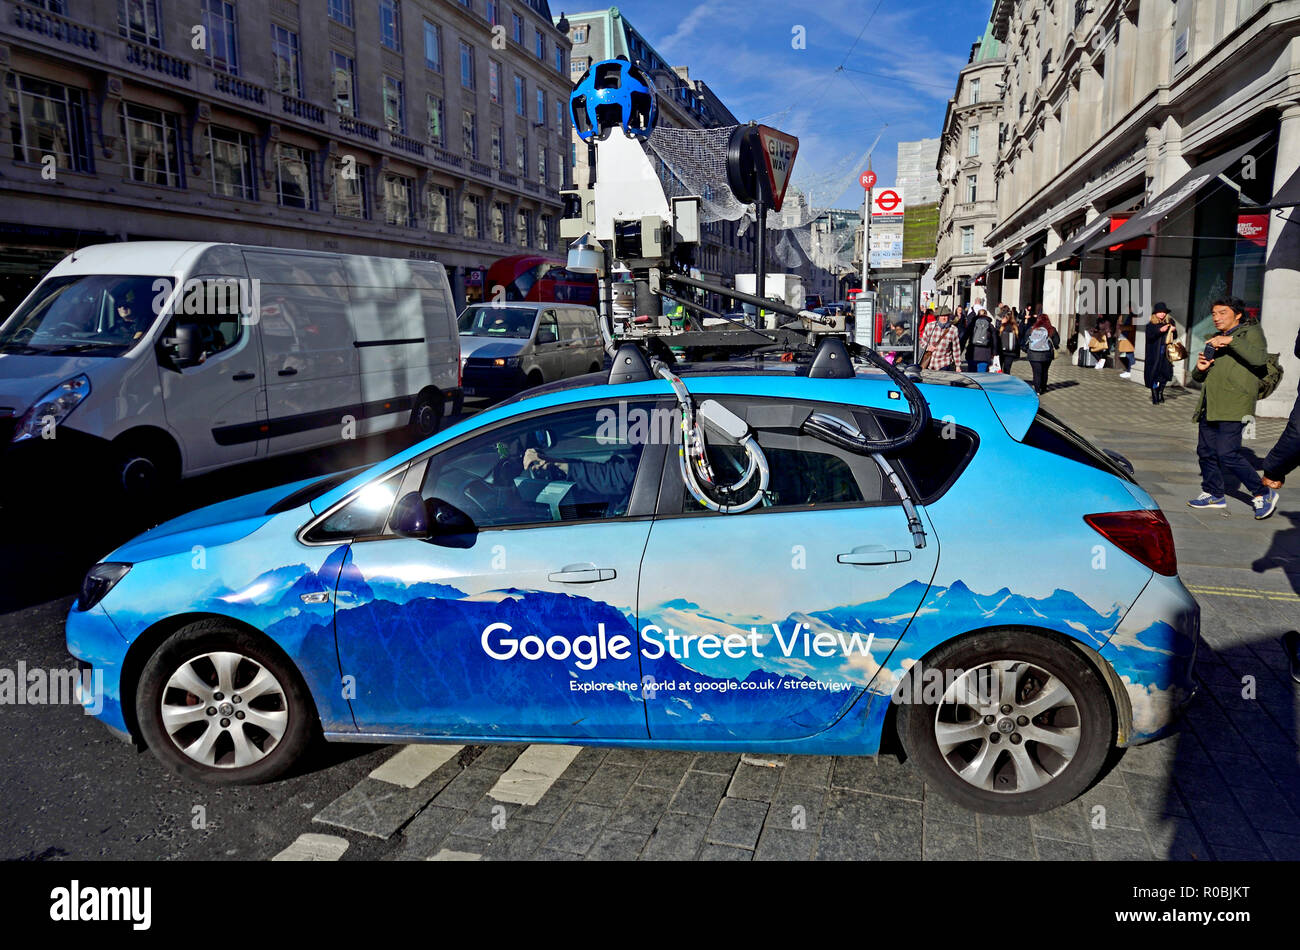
[
  {"x": 1073, "y": 246},
  {"x": 1288, "y": 196},
  {"x": 996, "y": 264},
  {"x": 1025, "y": 251},
  {"x": 1144, "y": 222}
]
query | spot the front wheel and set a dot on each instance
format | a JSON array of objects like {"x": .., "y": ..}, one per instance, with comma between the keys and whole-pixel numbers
[
  {"x": 1007, "y": 723},
  {"x": 218, "y": 705}
]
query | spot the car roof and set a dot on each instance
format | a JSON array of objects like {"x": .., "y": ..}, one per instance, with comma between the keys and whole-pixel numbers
[{"x": 530, "y": 305}]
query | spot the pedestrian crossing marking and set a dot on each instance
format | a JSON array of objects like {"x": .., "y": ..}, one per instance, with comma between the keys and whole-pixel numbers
[
  {"x": 536, "y": 770},
  {"x": 414, "y": 763},
  {"x": 448, "y": 855},
  {"x": 314, "y": 847}
]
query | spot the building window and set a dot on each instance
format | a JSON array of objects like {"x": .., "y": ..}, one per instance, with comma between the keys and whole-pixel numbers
[
  {"x": 1024, "y": 100},
  {"x": 286, "y": 69},
  {"x": 544, "y": 225},
  {"x": 973, "y": 140},
  {"x": 972, "y": 182},
  {"x": 138, "y": 20},
  {"x": 470, "y": 132},
  {"x": 968, "y": 239},
  {"x": 523, "y": 227},
  {"x": 344, "y": 71},
  {"x": 53, "y": 6},
  {"x": 466, "y": 65},
  {"x": 559, "y": 59},
  {"x": 434, "y": 106},
  {"x": 493, "y": 12},
  {"x": 399, "y": 201},
  {"x": 232, "y": 163},
  {"x": 394, "y": 105},
  {"x": 521, "y": 96},
  {"x": 153, "y": 153},
  {"x": 340, "y": 11},
  {"x": 351, "y": 190},
  {"x": 498, "y": 150},
  {"x": 1046, "y": 67},
  {"x": 440, "y": 209},
  {"x": 390, "y": 24},
  {"x": 542, "y": 165},
  {"x": 471, "y": 213},
  {"x": 432, "y": 47},
  {"x": 559, "y": 113},
  {"x": 974, "y": 92},
  {"x": 498, "y": 232},
  {"x": 494, "y": 81},
  {"x": 49, "y": 119},
  {"x": 521, "y": 154},
  {"x": 222, "y": 38},
  {"x": 517, "y": 22},
  {"x": 541, "y": 107},
  {"x": 539, "y": 45},
  {"x": 579, "y": 35},
  {"x": 294, "y": 178}
]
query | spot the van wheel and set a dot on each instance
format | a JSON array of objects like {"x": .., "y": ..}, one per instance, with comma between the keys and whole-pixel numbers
[
  {"x": 219, "y": 705},
  {"x": 145, "y": 471},
  {"x": 534, "y": 379},
  {"x": 595, "y": 368},
  {"x": 1010, "y": 723},
  {"x": 426, "y": 416}
]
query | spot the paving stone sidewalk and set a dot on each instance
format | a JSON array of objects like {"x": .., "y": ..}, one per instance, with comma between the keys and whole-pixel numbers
[{"x": 1226, "y": 787}]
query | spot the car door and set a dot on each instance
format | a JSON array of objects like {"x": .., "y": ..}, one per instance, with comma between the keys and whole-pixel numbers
[
  {"x": 525, "y": 627},
  {"x": 770, "y": 624},
  {"x": 217, "y": 405},
  {"x": 549, "y": 354}
]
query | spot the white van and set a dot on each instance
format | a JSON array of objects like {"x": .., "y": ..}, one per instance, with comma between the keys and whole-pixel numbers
[{"x": 176, "y": 358}]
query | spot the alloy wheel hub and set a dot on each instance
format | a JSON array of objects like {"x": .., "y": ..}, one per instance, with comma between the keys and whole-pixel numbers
[{"x": 224, "y": 710}]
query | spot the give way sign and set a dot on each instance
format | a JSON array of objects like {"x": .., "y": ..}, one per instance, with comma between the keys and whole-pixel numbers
[
  {"x": 779, "y": 150},
  {"x": 887, "y": 203}
]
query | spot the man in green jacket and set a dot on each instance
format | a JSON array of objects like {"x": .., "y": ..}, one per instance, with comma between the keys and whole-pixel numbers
[{"x": 1229, "y": 387}]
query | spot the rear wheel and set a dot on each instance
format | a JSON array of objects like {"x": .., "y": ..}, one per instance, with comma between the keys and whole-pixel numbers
[
  {"x": 426, "y": 416},
  {"x": 1020, "y": 723},
  {"x": 217, "y": 704}
]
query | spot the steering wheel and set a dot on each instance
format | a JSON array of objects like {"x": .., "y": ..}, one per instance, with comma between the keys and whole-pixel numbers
[
  {"x": 67, "y": 324},
  {"x": 19, "y": 334}
]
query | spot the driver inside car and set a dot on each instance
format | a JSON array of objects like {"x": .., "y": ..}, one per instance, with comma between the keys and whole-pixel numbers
[{"x": 611, "y": 478}]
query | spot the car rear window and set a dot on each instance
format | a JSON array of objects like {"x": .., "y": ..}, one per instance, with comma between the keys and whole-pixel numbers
[
  {"x": 932, "y": 463},
  {"x": 1052, "y": 435}
]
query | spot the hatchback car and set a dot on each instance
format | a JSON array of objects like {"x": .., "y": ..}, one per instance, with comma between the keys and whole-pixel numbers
[
  {"x": 540, "y": 573},
  {"x": 508, "y": 347}
]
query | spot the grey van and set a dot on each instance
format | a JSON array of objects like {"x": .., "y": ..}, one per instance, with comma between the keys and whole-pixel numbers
[{"x": 509, "y": 347}]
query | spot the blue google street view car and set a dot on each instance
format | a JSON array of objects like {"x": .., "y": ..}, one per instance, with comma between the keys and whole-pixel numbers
[{"x": 549, "y": 571}]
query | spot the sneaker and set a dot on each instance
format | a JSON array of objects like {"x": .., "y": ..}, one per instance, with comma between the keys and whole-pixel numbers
[
  {"x": 1291, "y": 640},
  {"x": 1265, "y": 504},
  {"x": 1206, "y": 500},
  {"x": 1125, "y": 375},
  {"x": 1101, "y": 364}
]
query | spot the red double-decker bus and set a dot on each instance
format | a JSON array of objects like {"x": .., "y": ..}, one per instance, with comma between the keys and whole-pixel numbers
[{"x": 539, "y": 279}]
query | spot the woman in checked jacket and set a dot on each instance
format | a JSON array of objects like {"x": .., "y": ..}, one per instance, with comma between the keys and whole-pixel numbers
[{"x": 941, "y": 345}]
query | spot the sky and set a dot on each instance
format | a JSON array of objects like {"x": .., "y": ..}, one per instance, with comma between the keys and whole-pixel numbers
[{"x": 898, "y": 74}]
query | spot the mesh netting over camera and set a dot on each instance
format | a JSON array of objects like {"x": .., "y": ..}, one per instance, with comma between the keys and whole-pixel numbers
[{"x": 694, "y": 162}]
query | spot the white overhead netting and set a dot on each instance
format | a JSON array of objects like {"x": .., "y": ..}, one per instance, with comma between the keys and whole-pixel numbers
[{"x": 694, "y": 162}]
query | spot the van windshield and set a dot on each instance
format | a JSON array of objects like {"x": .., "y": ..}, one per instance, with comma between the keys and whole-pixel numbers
[
  {"x": 506, "y": 322},
  {"x": 100, "y": 315}
]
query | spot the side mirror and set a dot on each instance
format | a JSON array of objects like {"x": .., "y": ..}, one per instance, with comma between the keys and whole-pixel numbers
[
  {"x": 416, "y": 517},
  {"x": 545, "y": 336},
  {"x": 185, "y": 346}
]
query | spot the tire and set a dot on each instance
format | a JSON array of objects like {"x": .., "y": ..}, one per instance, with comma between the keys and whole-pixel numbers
[
  {"x": 145, "y": 471},
  {"x": 191, "y": 658},
  {"x": 534, "y": 379},
  {"x": 1007, "y": 773},
  {"x": 426, "y": 415}
]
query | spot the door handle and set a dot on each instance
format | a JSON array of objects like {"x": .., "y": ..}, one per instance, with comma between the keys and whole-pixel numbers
[
  {"x": 288, "y": 371},
  {"x": 241, "y": 377},
  {"x": 582, "y": 574},
  {"x": 875, "y": 557}
]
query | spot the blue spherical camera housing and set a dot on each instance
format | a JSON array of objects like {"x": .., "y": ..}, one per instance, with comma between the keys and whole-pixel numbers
[{"x": 613, "y": 94}]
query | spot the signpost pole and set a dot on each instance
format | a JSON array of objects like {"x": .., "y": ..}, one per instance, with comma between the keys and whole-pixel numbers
[
  {"x": 868, "y": 181},
  {"x": 760, "y": 250}
]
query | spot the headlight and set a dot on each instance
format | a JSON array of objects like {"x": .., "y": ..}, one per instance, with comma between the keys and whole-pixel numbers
[
  {"x": 99, "y": 580},
  {"x": 53, "y": 407},
  {"x": 510, "y": 362}
]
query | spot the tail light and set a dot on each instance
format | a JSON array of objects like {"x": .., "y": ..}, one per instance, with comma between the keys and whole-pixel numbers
[{"x": 1145, "y": 535}]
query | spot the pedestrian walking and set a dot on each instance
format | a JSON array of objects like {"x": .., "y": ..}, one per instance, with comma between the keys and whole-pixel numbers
[
  {"x": 980, "y": 342},
  {"x": 1285, "y": 457},
  {"x": 1229, "y": 381},
  {"x": 941, "y": 344},
  {"x": 1125, "y": 334},
  {"x": 1008, "y": 339},
  {"x": 1158, "y": 369},
  {"x": 1040, "y": 349}
]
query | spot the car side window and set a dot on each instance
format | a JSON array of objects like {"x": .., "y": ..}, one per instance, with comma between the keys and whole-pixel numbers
[
  {"x": 215, "y": 308},
  {"x": 363, "y": 516},
  {"x": 804, "y": 472},
  {"x": 573, "y": 465},
  {"x": 548, "y": 322}
]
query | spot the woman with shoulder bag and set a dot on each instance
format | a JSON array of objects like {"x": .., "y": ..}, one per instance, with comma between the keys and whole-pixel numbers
[
  {"x": 1124, "y": 345},
  {"x": 1162, "y": 352},
  {"x": 1040, "y": 347},
  {"x": 1008, "y": 339},
  {"x": 1099, "y": 345}
]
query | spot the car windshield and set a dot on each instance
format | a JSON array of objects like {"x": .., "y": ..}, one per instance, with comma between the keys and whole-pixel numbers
[
  {"x": 100, "y": 315},
  {"x": 492, "y": 321}
]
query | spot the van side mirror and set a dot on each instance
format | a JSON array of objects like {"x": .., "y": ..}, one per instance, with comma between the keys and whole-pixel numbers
[
  {"x": 414, "y": 516},
  {"x": 184, "y": 348},
  {"x": 545, "y": 336}
]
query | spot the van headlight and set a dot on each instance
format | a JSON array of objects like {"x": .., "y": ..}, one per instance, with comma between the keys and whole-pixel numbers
[
  {"x": 99, "y": 580},
  {"x": 53, "y": 407}
]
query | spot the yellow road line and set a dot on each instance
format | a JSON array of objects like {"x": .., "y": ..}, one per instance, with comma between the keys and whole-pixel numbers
[{"x": 1242, "y": 592}]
